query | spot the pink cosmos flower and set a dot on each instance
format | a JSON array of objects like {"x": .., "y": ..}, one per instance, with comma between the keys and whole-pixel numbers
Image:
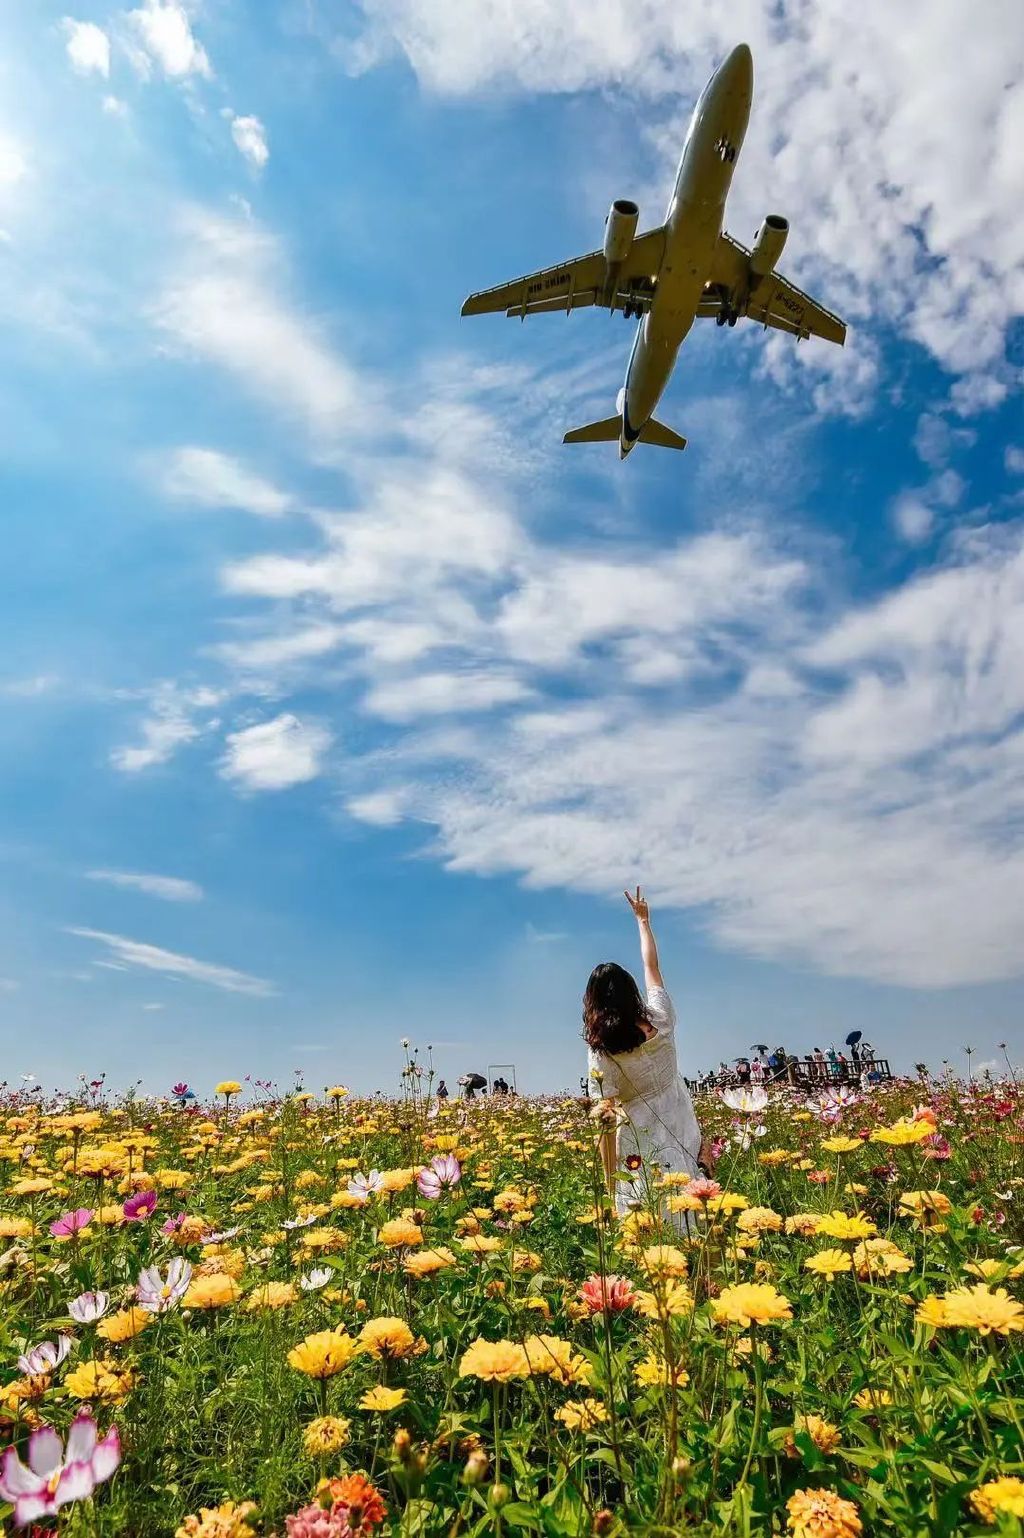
[
  {"x": 71, "y": 1223},
  {"x": 607, "y": 1294},
  {"x": 57, "y": 1474},
  {"x": 45, "y": 1357},
  {"x": 365, "y": 1186},
  {"x": 89, "y": 1306},
  {"x": 703, "y": 1189},
  {"x": 139, "y": 1206},
  {"x": 444, "y": 1170},
  {"x": 936, "y": 1147},
  {"x": 171, "y": 1225},
  {"x": 315, "y": 1522},
  {"x": 157, "y": 1295}
]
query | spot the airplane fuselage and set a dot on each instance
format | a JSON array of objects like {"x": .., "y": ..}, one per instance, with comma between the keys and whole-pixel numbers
[{"x": 693, "y": 225}]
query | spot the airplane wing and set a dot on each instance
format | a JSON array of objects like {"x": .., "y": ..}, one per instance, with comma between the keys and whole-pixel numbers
[
  {"x": 578, "y": 283},
  {"x": 772, "y": 300}
]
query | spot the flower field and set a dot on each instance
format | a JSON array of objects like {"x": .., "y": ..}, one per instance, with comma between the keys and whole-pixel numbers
[{"x": 324, "y": 1316}]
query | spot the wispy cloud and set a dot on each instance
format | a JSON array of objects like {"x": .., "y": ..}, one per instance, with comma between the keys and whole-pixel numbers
[
  {"x": 274, "y": 755},
  {"x": 170, "y": 888},
  {"x": 162, "y": 35},
  {"x": 213, "y": 479},
  {"x": 177, "y": 717},
  {"x": 153, "y": 958},
  {"x": 250, "y": 138}
]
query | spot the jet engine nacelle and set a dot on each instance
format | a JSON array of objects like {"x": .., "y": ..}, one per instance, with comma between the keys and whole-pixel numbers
[
  {"x": 768, "y": 245},
  {"x": 619, "y": 229}
]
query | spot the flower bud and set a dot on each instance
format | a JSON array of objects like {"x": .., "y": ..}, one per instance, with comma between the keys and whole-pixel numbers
[
  {"x": 500, "y": 1495},
  {"x": 477, "y": 1468}
]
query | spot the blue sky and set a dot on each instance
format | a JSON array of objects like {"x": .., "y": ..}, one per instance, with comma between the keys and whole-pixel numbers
[{"x": 339, "y": 701}]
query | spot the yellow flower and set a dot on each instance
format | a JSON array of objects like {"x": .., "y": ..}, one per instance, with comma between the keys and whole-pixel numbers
[
  {"x": 270, "y": 1295},
  {"x": 879, "y": 1257},
  {"x": 822, "y": 1433},
  {"x": 839, "y": 1145},
  {"x": 822, "y": 1514},
  {"x": 227, "y": 1520},
  {"x": 932, "y": 1311},
  {"x": 124, "y": 1325},
  {"x": 654, "y": 1372},
  {"x": 582, "y": 1414},
  {"x": 843, "y": 1225},
  {"x": 425, "y": 1262},
  {"x": 33, "y": 1186},
  {"x": 337, "y": 1092},
  {"x": 663, "y": 1260},
  {"x": 386, "y": 1338},
  {"x": 495, "y": 1361},
  {"x": 872, "y": 1398},
  {"x": 999, "y": 1495},
  {"x": 828, "y": 1263},
  {"x": 15, "y": 1228},
  {"x": 550, "y": 1357},
  {"x": 480, "y": 1244},
  {"x": 228, "y": 1087},
  {"x": 759, "y": 1220},
  {"x": 325, "y": 1435},
  {"x": 667, "y": 1301},
  {"x": 99, "y": 1379},
  {"x": 978, "y": 1308},
  {"x": 382, "y": 1399},
  {"x": 750, "y": 1303},
  {"x": 323, "y": 1354},
  {"x": 211, "y": 1292},
  {"x": 902, "y": 1133},
  {"x": 803, "y": 1223},
  {"x": 774, "y": 1156},
  {"x": 987, "y": 1269},
  {"x": 729, "y": 1201},
  {"x": 927, "y": 1208},
  {"x": 399, "y": 1232}
]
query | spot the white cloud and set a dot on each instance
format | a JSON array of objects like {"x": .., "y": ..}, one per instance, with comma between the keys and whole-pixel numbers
[
  {"x": 88, "y": 47},
  {"x": 164, "y": 34},
  {"x": 250, "y": 138},
  {"x": 890, "y": 138},
  {"x": 171, "y": 724},
  {"x": 153, "y": 1006},
  {"x": 170, "y": 888},
  {"x": 913, "y": 518},
  {"x": 153, "y": 958},
  {"x": 274, "y": 755},
  {"x": 271, "y": 652},
  {"x": 1013, "y": 459},
  {"x": 213, "y": 479},
  {"x": 448, "y": 694},
  {"x": 113, "y": 106},
  {"x": 223, "y": 302}
]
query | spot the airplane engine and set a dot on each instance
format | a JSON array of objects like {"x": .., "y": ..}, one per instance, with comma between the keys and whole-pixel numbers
[
  {"x": 768, "y": 245},
  {"x": 619, "y": 229}
]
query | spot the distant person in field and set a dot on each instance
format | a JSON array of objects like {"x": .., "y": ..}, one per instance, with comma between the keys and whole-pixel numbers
[
  {"x": 631, "y": 1045},
  {"x": 442, "y": 1090}
]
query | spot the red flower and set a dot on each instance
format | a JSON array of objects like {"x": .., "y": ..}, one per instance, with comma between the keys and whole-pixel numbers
[{"x": 607, "y": 1294}]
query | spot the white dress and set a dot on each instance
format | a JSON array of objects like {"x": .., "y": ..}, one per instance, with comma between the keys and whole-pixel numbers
[{"x": 662, "y": 1126}]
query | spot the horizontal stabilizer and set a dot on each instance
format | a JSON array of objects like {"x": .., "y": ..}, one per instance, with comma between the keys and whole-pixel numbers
[
  {"x": 608, "y": 431},
  {"x": 661, "y": 436}
]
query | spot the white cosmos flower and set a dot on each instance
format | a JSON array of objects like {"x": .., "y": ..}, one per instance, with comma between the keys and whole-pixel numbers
[
  {"x": 89, "y": 1306},
  {"x": 315, "y": 1279},
  {"x": 750, "y": 1101}
]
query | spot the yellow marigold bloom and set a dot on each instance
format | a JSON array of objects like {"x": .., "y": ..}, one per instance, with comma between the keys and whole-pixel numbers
[
  {"x": 399, "y": 1232},
  {"x": 987, "y": 1269},
  {"x": 634, "y": 1226},
  {"x": 228, "y": 1087},
  {"x": 525, "y": 1260},
  {"x": 932, "y": 1311},
  {"x": 667, "y": 1301},
  {"x": 211, "y": 1292},
  {"x": 270, "y": 1295},
  {"x": 323, "y": 1354},
  {"x": 386, "y": 1337},
  {"x": 221, "y": 1260},
  {"x": 674, "y": 1179},
  {"x": 323, "y": 1241},
  {"x": 425, "y": 1262},
  {"x": 227, "y": 1520},
  {"x": 774, "y": 1156},
  {"x": 927, "y": 1208},
  {"x": 654, "y": 1372},
  {"x": 173, "y": 1180},
  {"x": 124, "y": 1325},
  {"x": 828, "y": 1263},
  {"x": 305, "y": 1180},
  {"x": 480, "y": 1244},
  {"x": 822, "y": 1433},
  {"x": 903, "y": 1133},
  {"x": 15, "y": 1228},
  {"x": 445, "y": 1142},
  {"x": 325, "y": 1435},
  {"x": 582, "y": 1414},
  {"x": 729, "y": 1201},
  {"x": 398, "y": 1180},
  {"x": 550, "y": 1357},
  {"x": 34, "y": 1186},
  {"x": 99, "y": 1379},
  {"x": 855, "y": 1188},
  {"x": 879, "y": 1257},
  {"x": 537, "y": 1306},
  {"x": 663, "y": 1260},
  {"x": 978, "y": 1308},
  {"x": 822, "y": 1514},
  {"x": 495, "y": 1361},
  {"x": 803, "y": 1223},
  {"x": 840, "y": 1145},
  {"x": 759, "y": 1220},
  {"x": 844, "y": 1225},
  {"x": 342, "y": 1200},
  {"x": 749, "y": 1303},
  {"x": 684, "y": 1202},
  {"x": 382, "y": 1399},
  {"x": 872, "y": 1398},
  {"x": 1005, "y": 1494}
]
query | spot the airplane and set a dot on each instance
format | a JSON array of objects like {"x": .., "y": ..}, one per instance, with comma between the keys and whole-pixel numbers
[{"x": 684, "y": 270}]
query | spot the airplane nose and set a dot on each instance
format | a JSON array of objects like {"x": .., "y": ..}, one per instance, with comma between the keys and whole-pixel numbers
[{"x": 739, "y": 67}]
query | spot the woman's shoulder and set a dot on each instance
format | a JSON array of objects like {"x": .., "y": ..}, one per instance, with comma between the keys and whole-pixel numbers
[{"x": 660, "y": 1008}]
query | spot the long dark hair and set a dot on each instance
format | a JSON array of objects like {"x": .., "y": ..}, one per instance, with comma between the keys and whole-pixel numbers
[{"x": 613, "y": 1011}]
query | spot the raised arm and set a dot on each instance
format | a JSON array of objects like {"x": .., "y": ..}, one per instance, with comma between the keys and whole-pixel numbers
[{"x": 648, "y": 944}]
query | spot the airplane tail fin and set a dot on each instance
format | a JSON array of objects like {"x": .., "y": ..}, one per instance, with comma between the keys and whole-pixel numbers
[
  {"x": 608, "y": 431},
  {"x": 661, "y": 436}
]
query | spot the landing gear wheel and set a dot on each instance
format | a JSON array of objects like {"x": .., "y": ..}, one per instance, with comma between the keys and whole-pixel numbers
[
  {"x": 721, "y": 317},
  {"x": 733, "y": 318}
]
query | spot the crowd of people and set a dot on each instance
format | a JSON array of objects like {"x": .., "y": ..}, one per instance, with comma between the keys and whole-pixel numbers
[{"x": 764, "y": 1066}]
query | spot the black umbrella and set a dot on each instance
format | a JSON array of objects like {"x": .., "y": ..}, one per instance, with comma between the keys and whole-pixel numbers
[
  {"x": 853, "y": 1038},
  {"x": 759, "y": 1046}
]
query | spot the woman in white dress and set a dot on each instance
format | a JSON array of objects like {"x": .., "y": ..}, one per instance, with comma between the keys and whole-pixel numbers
[{"x": 632, "y": 1055}]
